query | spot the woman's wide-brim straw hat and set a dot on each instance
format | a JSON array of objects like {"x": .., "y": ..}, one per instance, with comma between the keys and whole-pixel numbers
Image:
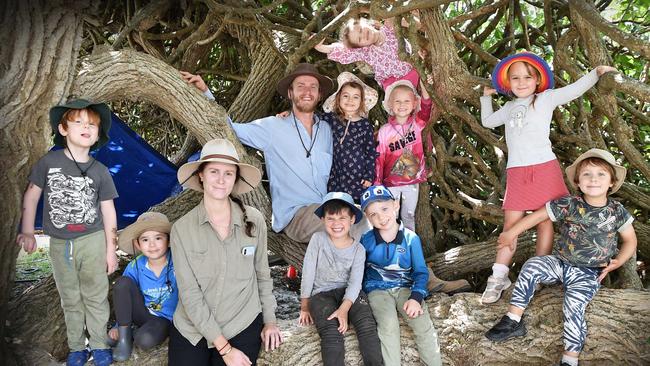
[
  {"x": 325, "y": 84},
  {"x": 602, "y": 154},
  {"x": 389, "y": 91},
  {"x": 148, "y": 221},
  {"x": 220, "y": 151},
  {"x": 500, "y": 79},
  {"x": 370, "y": 95}
]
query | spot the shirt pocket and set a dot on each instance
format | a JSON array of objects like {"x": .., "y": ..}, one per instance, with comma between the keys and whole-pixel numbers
[
  {"x": 245, "y": 262},
  {"x": 202, "y": 266}
]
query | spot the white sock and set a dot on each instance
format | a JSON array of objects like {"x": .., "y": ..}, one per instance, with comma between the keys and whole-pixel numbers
[
  {"x": 514, "y": 317},
  {"x": 573, "y": 361},
  {"x": 500, "y": 270}
]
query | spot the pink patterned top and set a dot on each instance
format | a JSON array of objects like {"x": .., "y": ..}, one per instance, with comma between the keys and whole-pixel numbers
[
  {"x": 383, "y": 59},
  {"x": 400, "y": 158}
]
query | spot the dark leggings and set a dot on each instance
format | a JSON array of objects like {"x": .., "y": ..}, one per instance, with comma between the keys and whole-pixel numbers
[
  {"x": 182, "y": 352},
  {"x": 128, "y": 303}
]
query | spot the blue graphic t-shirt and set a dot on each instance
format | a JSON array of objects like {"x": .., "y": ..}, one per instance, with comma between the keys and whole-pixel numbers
[
  {"x": 588, "y": 234},
  {"x": 160, "y": 292}
]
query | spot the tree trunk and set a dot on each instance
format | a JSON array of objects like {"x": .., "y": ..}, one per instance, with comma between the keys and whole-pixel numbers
[
  {"x": 40, "y": 43},
  {"x": 617, "y": 319}
]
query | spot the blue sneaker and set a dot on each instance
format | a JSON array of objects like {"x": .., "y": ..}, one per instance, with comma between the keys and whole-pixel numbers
[
  {"x": 77, "y": 358},
  {"x": 102, "y": 357}
]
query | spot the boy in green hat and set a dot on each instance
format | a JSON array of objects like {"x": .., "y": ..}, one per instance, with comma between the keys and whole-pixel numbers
[{"x": 80, "y": 218}]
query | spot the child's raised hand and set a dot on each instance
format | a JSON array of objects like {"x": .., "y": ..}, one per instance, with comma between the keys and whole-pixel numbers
[
  {"x": 283, "y": 114},
  {"x": 413, "y": 308},
  {"x": 600, "y": 70},
  {"x": 506, "y": 239},
  {"x": 305, "y": 318},
  {"x": 613, "y": 264},
  {"x": 27, "y": 241},
  {"x": 195, "y": 80},
  {"x": 488, "y": 91},
  {"x": 342, "y": 317}
]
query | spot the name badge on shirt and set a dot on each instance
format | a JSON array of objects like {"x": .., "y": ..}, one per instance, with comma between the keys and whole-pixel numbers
[{"x": 248, "y": 251}]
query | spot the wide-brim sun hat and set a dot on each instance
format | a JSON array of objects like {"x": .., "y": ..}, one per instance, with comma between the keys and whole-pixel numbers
[
  {"x": 220, "y": 151},
  {"x": 602, "y": 154},
  {"x": 326, "y": 84},
  {"x": 148, "y": 221},
  {"x": 389, "y": 91},
  {"x": 341, "y": 196},
  {"x": 500, "y": 79},
  {"x": 374, "y": 194},
  {"x": 57, "y": 112},
  {"x": 370, "y": 95}
]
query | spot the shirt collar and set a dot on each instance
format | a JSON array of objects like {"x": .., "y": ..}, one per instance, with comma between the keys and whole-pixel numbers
[
  {"x": 236, "y": 214},
  {"x": 399, "y": 238}
]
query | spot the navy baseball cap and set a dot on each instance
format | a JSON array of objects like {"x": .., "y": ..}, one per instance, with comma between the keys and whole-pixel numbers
[{"x": 341, "y": 196}]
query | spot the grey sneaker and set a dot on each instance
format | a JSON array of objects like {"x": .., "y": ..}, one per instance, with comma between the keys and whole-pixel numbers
[{"x": 494, "y": 288}]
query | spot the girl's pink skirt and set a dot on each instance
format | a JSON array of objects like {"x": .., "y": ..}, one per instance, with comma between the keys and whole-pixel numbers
[{"x": 530, "y": 187}]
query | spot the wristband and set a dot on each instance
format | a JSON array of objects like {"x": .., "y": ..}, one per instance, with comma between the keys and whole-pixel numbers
[
  {"x": 227, "y": 352},
  {"x": 221, "y": 349}
]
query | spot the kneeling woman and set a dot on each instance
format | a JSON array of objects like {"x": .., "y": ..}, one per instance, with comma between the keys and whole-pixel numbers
[{"x": 226, "y": 308}]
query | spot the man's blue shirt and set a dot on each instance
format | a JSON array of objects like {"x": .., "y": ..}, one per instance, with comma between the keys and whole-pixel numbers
[{"x": 295, "y": 179}]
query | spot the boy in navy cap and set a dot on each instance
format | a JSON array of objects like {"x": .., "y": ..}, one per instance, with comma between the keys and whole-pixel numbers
[{"x": 332, "y": 272}]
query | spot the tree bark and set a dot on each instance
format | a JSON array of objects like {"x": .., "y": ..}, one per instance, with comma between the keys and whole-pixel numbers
[
  {"x": 617, "y": 332},
  {"x": 40, "y": 43}
]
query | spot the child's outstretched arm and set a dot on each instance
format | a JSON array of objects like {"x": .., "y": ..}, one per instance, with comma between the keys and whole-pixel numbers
[
  {"x": 574, "y": 90},
  {"x": 110, "y": 233},
  {"x": 326, "y": 48},
  {"x": 26, "y": 238},
  {"x": 507, "y": 238},
  {"x": 628, "y": 248}
]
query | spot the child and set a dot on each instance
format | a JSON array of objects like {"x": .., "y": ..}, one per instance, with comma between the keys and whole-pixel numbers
[
  {"x": 396, "y": 279},
  {"x": 331, "y": 283},
  {"x": 533, "y": 175},
  {"x": 353, "y": 163},
  {"x": 80, "y": 218},
  {"x": 146, "y": 295},
  {"x": 400, "y": 161},
  {"x": 589, "y": 226},
  {"x": 360, "y": 40}
]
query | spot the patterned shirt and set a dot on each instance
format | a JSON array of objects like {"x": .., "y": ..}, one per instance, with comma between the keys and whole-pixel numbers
[
  {"x": 383, "y": 59},
  {"x": 588, "y": 234},
  {"x": 354, "y": 155}
]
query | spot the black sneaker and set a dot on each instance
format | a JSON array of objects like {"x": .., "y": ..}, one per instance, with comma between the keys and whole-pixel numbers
[{"x": 505, "y": 329}]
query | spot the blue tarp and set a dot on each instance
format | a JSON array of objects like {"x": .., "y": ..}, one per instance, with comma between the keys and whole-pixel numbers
[{"x": 142, "y": 176}]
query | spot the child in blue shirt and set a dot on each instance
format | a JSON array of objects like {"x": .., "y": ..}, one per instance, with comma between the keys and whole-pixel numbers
[
  {"x": 146, "y": 295},
  {"x": 396, "y": 278}
]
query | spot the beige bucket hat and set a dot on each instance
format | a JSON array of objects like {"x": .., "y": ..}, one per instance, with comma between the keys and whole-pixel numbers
[
  {"x": 220, "y": 151},
  {"x": 389, "y": 91},
  {"x": 370, "y": 95},
  {"x": 602, "y": 154},
  {"x": 148, "y": 221}
]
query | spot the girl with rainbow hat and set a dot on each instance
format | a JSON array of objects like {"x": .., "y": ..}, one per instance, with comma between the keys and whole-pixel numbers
[{"x": 533, "y": 174}]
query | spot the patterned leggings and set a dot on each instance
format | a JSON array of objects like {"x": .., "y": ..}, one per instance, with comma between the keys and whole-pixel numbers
[{"x": 580, "y": 285}]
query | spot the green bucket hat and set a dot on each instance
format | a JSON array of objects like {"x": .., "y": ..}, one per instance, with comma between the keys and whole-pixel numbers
[{"x": 56, "y": 113}]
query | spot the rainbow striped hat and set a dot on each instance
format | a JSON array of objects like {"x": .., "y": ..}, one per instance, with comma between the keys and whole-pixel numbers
[{"x": 500, "y": 73}]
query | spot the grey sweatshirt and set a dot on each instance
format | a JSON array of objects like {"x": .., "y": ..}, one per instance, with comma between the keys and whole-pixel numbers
[{"x": 326, "y": 267}]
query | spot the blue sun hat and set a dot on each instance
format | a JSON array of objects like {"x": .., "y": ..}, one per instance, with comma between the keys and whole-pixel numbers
[
  {"x": 500, "y": 79},
  {"x": 341, "y": 196},
  {"x": 374, "y": 194}
]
